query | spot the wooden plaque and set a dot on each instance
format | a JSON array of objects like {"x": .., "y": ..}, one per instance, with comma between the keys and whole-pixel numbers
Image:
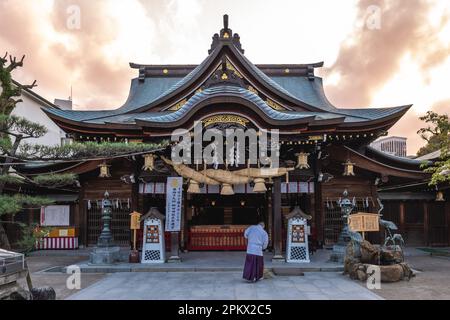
[
  {"x": 135, "y": 222},
  {"x": 364, "y": 222}
]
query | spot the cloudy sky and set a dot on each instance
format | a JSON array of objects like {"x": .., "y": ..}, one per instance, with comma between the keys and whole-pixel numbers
[{"x": 377, "y": 53}]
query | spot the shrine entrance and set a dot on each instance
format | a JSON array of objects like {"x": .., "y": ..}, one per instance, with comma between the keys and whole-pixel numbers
[{"x": 218, "y": 222}]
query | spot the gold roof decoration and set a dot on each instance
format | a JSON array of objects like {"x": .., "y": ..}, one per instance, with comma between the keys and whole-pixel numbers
[
  {"x": 178, "y": 105},
  {"x": 226, "y": 118},
  {"x": 274, "y": 105},
  {"x": 253, "y": 90},
  {"x": 232, "y": 68}
]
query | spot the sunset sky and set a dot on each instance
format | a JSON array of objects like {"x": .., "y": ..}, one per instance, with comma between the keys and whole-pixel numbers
[{"x": 404, "y": 61}]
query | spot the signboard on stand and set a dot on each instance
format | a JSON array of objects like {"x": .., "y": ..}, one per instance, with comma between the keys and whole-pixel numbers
[
  {"x": 55, "y": 216},
  {"x": 174, "y": 196},
  {"x": 364, "y": 222}
]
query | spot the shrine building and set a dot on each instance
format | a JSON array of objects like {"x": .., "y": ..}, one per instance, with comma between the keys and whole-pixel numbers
[{"x": 323, "y": 151}]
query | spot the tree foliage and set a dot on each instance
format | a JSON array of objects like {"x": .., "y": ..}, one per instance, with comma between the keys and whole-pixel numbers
[
  {"x": 11, "y": 204},
  {"x": 83, "y": 151},
  {"x": 437, "y": 135},
  {"x": 55, "y": 180}
]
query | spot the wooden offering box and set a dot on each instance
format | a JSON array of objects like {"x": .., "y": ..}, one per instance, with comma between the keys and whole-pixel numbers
[{"x": 217, "y": 237}]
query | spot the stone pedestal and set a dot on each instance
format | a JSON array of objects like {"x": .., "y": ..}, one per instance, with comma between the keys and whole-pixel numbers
[
  {"x": 338, "y": 253},
  {"x": 104, "y": 255},
  {"x": 278, "y": 259},
  {"x": 174, "y": 259},
  {"x": 339, "y": 249}
]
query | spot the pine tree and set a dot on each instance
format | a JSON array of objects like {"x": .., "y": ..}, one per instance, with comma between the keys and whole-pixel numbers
[
  {"x": 15, "y": 151},
  {"x": 437, "y": 135}
]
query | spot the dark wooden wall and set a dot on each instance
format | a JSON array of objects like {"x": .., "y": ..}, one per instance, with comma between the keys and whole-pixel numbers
[{"x": 93, "y": 188}]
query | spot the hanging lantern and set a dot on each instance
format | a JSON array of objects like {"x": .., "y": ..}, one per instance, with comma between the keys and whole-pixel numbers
[
  {"x": 348, "y": 168},
  {"x": 227, "y": 190},
  {"x": 149, "y": 162},
  {"x": 260, "y": 186},
  {"x": 440, "y": 196},
  {"x": 193, "y": 187},
  {"x": 302, "y": 160},
  {"x": 104, "y": 170}
]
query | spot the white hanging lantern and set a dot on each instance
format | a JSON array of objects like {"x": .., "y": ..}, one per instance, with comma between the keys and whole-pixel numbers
[
  {"x": 348, "y": 168},
  {"x": 440, "y": 196},
  {"x": 302, "y": 161},
  {"x": 104, "y": 170},
  {"x": 149, "y": 162}
]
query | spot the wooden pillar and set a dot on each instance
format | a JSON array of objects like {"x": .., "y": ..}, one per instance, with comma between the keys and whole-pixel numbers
[
  {"x": 447, "y": 219},
  {"x": 270, "y": 218},
  {"x": 318, "y": 211},
  {"x": 174, "y": 247},
  {"x": 402, "y": 218},
  {"x": 426, "y": 224},
  {"x": 83, "y": 223},
  {"x": 277, "y": 252}
]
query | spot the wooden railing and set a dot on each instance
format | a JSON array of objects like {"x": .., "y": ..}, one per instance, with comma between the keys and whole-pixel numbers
[{"x": 216, "y": 240}]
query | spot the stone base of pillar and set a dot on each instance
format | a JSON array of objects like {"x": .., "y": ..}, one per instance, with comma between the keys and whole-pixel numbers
[
  {"x": 104, "y": 255},
  {"x": 278, "y": 258},
  {"x": 174, "y": 259},
  {"x": 338, "y": 253}
]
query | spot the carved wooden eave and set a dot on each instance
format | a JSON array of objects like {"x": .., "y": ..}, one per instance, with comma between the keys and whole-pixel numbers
[
  {"x": 298, "y": 213},
  {"x": 344, "y": 153},
  {"x": 153, "y": 213}
]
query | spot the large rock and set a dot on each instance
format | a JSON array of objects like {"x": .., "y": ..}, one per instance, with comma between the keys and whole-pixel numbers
[
  {"x": 360, "y": 256},
  {"x": 13, "y": 291},
  {"x": 43, "y": 293}
]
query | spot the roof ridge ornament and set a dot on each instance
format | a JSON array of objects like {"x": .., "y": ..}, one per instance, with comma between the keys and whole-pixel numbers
[{"x": 226, "y": 35}]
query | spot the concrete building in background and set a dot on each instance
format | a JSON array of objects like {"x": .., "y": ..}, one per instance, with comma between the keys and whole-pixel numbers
[
  {"x": 31, "y": 109},
  {"x": 392, "y": 145}
]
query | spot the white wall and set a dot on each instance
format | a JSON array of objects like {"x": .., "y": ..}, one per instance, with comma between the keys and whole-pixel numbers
[{"x": 30, "y": 109}]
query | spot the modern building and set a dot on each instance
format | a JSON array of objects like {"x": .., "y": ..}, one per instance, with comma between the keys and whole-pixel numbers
[
  {"x": 393, "y": 145},
  {"x": 323, "y": 151}
]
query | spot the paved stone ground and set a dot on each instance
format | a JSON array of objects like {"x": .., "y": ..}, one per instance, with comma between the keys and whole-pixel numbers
[
  {"x": 431, "y": 283},
  {"x": 223, "y": 285},
  {"x": 37, "y": 264}
]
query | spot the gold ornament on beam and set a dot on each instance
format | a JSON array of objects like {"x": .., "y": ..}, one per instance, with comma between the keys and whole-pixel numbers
[
  {"x": 260, "y": 186},
  {"x": 149, "y": 162},
  {"x": 348, "y": 168},
  {"x": 302, "y": 161},
  {"x": 227, "y": 190},
  {"x": 104, "y": 170},
  {"x": 193, "y": 187},
  {"x": 440, "y": 196}
]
